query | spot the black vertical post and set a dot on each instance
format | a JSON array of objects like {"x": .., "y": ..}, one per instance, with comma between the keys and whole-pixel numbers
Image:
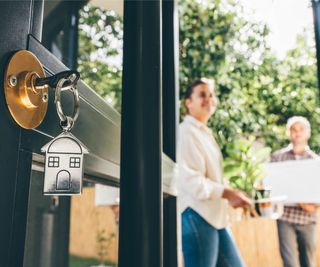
[
  {"x": 17, "y": 20},
  {"x": 140, "y": 240},
  {"x": 170, "y": 59},
  {"x": 70, "y": 49},
  {"x": 170, "y": 236},
  {"x": 170, "y": 85},
  {"x": 316, "y": 19}
]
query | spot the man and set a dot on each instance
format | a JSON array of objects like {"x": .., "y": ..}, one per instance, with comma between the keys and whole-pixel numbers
[{"x": 297, "y": 226}]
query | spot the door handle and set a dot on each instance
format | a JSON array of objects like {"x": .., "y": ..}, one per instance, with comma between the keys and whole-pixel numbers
[{"x": 26, "y": 88}]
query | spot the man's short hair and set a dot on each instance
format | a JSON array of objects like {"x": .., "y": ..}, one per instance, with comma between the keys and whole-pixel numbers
[{"x": 298, "y": 119}]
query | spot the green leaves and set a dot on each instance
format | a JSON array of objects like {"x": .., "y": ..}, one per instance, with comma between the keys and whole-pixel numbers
[
  {"x": 104, "y": 242},
  {"x": 204, "y": 31},
  {"x": 100, "y": 52},
  {"x": 243, "y": 166},
  {"x": 258, "y": 92}
]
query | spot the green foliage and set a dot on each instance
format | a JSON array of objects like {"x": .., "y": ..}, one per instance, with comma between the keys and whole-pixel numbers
[
  {"x": 233, "y": 64},
  {"x": 103, "y": 244},
  {"x": 244, "y": 165},
  {"x": 258, "y": 92},
  {"x": 77, "y": 261},
  {"x": 100, "y": 52},
  {"x": 204, "y": 32},
  {"x": 296, "y": 91}
]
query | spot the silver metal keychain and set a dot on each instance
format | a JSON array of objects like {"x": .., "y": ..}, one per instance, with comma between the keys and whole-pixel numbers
[{"x": 64, "y": 154}]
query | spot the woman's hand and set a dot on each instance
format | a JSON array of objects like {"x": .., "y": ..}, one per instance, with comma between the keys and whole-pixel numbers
[{"x": 237, "y": 199}]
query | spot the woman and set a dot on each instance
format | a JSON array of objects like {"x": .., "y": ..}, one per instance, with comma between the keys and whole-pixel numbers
[{"x": 203, "y": 197}]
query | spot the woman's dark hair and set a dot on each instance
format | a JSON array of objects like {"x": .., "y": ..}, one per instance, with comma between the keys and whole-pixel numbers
[{"x": 190, "y": 88}]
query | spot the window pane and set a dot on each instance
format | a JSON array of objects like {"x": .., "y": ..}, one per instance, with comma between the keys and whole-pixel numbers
[
  {"x": 94, "y": 227},
  {"x": 100, "y": 50},
  {"x": 81, "y": 235}
]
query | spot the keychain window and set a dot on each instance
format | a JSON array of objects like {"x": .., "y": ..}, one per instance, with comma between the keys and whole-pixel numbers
[
  {"x": 74, "y": 162},
  {"x": 53, "y": 162}
]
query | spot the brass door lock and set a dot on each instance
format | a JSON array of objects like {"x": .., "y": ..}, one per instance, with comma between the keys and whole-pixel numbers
[{"x": 26, "y": 88}]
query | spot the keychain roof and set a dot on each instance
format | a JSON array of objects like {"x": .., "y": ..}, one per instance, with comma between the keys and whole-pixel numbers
[{"x": 67, "y": 145}]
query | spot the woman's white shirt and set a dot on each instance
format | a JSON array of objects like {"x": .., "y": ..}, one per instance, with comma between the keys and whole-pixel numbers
[{"x": 200, "y": 180}]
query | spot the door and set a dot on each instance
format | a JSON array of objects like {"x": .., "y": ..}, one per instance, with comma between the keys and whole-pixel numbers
[{"x": 34, "y": 228}]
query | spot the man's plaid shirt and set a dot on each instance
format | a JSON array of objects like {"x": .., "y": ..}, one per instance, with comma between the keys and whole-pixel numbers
[{"x": 295, "y": 214}]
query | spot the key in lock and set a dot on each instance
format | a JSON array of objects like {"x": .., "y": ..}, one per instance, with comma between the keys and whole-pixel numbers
[{"x": 65, "y": 153}]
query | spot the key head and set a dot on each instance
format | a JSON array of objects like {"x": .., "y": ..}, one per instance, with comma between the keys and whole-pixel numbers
[{"x": 71, "y": 77}]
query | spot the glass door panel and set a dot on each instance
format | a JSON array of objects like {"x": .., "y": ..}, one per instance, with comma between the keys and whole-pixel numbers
[
  {"x": 77, "y": 231},
  {"x": 94, "y": 227}
]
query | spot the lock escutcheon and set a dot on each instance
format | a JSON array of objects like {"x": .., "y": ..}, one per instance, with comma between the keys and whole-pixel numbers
[
  {"x": 27, "y": 104},
  {"x": 29, "y": 95}
]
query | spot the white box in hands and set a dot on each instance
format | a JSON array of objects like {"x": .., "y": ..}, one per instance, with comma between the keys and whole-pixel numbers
[{"x": 299, "y": 180}]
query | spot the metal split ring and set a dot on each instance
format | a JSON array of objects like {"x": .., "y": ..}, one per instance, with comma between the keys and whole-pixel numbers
[
  {"x": 67, "y": 122},
  {"x": 67, "y": 125}
]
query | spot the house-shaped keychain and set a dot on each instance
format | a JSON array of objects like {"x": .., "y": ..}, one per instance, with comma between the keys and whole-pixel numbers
[{"x": 63, "y": 165}]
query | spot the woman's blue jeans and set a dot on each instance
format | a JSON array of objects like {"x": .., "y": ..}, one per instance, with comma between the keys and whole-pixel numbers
[{"x": 205, "y": 246}]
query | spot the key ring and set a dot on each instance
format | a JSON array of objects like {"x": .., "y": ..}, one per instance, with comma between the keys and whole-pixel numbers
[{"x": 67, "y": 122}]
